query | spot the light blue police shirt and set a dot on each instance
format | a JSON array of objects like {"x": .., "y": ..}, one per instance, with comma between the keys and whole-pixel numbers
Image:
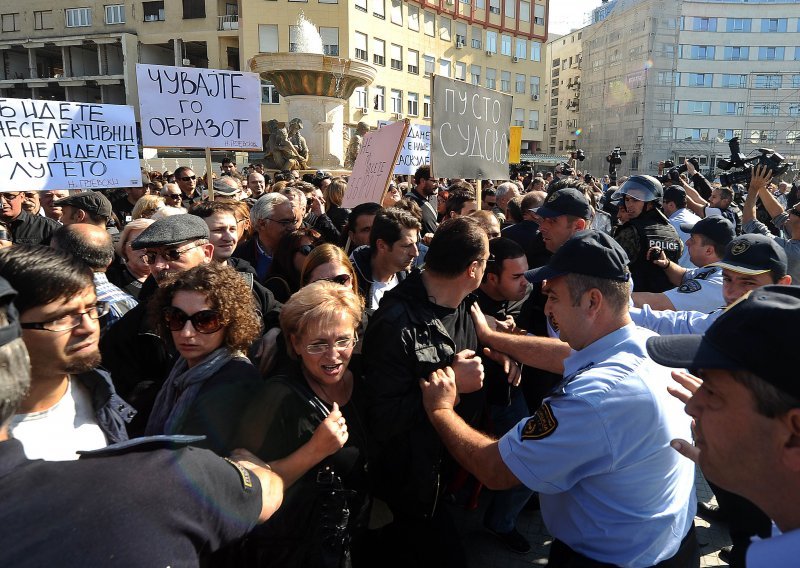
[
  {"x": 676, "y": 219},
  {"x": 700, "y": 290},
  {"x": 598, "y": 452},
  {"x": 668, "y": 322},
  {"x": 781, "y": 549}
]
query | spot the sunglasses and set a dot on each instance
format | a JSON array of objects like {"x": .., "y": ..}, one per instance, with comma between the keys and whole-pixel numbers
[
  {"x": 174, "y": 196},
  {"x": 173, "y": 255},
  {"x": 188, "y": 178},
  {"x": 10, "y": 196},
  {"x": 340, "y": 279},
  {"x": 204, "y": 321}
]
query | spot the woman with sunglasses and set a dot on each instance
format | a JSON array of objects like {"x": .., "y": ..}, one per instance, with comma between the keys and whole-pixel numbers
[
  {"x": 131, "y": 273},
  {"x": 283, "y": 278},
  {"x": 209, "y": 316},
  {"x": 329, "y": 262},
  {"x": 307, "y": 422}
]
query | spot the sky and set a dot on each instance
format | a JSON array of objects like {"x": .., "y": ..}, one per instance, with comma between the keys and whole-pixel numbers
[{"x": 566, "y": 15}]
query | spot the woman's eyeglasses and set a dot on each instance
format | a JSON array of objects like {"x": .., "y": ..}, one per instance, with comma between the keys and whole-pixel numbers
[
  {"x": 338, "y": 345},
  {"x": 204, "y": 321},
  {"x": 340, "y": 279}
]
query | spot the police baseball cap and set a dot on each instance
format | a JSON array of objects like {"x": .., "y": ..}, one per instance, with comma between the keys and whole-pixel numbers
[
  {"x": 591, "y": 253},
  {"x": 759, "y": 322},
  {"x": 754, "y": 254},
  {"x": 11, "y": 330},
  {"x": 567, "y": 201},
  {"x": 171, "y": 230},
  {"x": 90, "y": 201},
  {"x": 716, "y": 228}
]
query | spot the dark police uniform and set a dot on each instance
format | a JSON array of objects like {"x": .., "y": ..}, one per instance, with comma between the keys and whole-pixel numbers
[
  {"x": 637, "y": 236},
  {"x": 133, "y": 508}
]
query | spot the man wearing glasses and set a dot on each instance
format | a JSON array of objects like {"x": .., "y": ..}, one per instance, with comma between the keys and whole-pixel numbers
[
  {"x": 187, "y": 182},
  {"x": 132, "y": 350},
  {"x": 172, "y": 195},
  {"x": 788, "y": 220},
  {"x": 71, "y": 405},
  {"x": 26, "y": 229},
  {"x": 272, "y": 216}
]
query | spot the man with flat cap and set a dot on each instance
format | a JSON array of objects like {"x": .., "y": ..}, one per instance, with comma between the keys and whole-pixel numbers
[
  {"x": 132, "y": 350},
  {"x": 612, "y": 491},
  {"x": 698, "y": 289},
  {"x": 91, "y": 207},
  {"x": 745, "y": 404},
  {"x": 139, "y": 503}
]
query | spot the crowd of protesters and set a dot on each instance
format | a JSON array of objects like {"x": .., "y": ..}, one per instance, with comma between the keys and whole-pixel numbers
[{"x": 253, "y": 375}]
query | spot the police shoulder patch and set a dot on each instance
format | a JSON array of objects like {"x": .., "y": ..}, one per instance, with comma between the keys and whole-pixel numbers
[
  {"x": 541, "y": 424},
  {"x": 244, "y": 473},
  {"x": 690, "y": 287}
]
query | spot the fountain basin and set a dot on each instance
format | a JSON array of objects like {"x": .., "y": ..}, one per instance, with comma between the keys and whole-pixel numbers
[{"x": 312, "y": 74}]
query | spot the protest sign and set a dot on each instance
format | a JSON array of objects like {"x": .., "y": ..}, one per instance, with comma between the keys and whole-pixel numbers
[
  {"x": 374, "y": 164},
  {"x": 416, "y": 149},
  {"x": 469, "y": 136},
  {"x": 187, "y": 107},
  {"x": 62, "y": 145}
]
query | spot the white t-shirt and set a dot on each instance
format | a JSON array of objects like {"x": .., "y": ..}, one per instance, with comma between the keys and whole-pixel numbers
[
  {"x": 379, "y": 289},
  {"x": 56, "y": 434}
]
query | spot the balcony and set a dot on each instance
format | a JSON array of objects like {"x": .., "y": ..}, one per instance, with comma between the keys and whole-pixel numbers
[{"x": 228, "y": 23}]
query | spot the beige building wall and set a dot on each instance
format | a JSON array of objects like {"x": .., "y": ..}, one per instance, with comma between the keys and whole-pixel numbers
[{"x": 564, "y": 55}]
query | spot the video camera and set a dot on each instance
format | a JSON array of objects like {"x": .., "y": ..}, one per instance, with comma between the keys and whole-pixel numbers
[
  {"x": 614, "y": 159},
  {"x": 768, "y": 158},
  {"x": 672, "y": 173},
  {"x": 579, "y": 155}
]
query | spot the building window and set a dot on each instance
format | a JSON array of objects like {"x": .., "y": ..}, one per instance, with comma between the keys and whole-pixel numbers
[
  {"x": 444, "y": 67},
  {"x": 81, "y": 17},
  {"x": 491, "y": 78},
  {"x": 413, "y": 18},
  {"x": 269, "y": 94},
  {"x": 521, "y": 51},
  {"x": 426, "y": 106},
  {"x": 361, "y": 97},
  {"x": 704, "y": 25},
  {"x": 494, "y": 6},
  {"x": 769, "y": 25},
  {"x": 698, "y": 107},
  {"x": 731, "y": 108},
  {"x": 538, "y": 15},
  {"x": 723, "y": 135},
  {"x": 535, "y": 86},
  {"x": 461, "y": 71},
  {"x": 505, "y": 81},
  {"x": 519, "y": 83},
  {"x": 413, "y": 104},
  {"x": 475, "y": 72},
  {"x": 444, "y": 28},
  {"x": 396, "y": 57},
  {"x": 796, "y": 81},
  {"x": 153, "y": 11},
  {"x": 194, "y": 9},
  {"x": 533, "y": 119},
  {"x": 115, "y": 14},
  {"x": 766, "y": 109},
  {"x": 797, "y": 52},
  {"x": 10, "y": 22},
  {"x": 293, "y": 31},
  {"x": 361, "y": 5},
  {"x": 771, "y": 53},
  {"x": 734, "y": 81},
  {"x": 397, "y": 12},
  {"x": 738, "y": 25},
  {"x": 491, "y": 42},
  {"x": 397, "y": 101},
  {"x": 536, "y": 51},
  {"x": 794, "y": 110},
  {"x": 767, "y": 82},
  {"x": 268, "y": 38},
  {"x": 511, "y": 9},
  {"x": 413, "y": 62},
  {"x": 430, "y": 64},
  {"x": 699, "y": 79},
  {"x": 43, "y": 20},
  {"x": 379, "y": 102},
  {"x": 429, "y": 24},
  {"x": 360, "y": 43},
  {"x": 505, "y": 45},
  {"x": 461, "y": 34},
  {"x": 524, "y": 11},
  {"x": 697, "y": 52},
  {"x": 792, "y": 136},
  {"x": 737, "y": 53},
  {"x": 330, "y": 40},
  {"x": 378, "y": 51},
  {"x": 477, "y": 37},
  {"x": 379, "y": 9}
]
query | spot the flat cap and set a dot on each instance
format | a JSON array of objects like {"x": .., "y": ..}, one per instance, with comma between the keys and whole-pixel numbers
[
  {"x": 171, "y": 230},
  {"x": 90, "y": 201}
]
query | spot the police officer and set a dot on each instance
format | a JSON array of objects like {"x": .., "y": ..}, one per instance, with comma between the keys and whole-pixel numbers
[
  {"x": 641, "y": 196},
  {"x": 133, "y": 508},
  {"x": 597, "y": 450}
]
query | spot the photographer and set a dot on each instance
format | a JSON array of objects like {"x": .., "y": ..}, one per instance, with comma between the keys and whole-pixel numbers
[
  {"x": 788, "y": 220},
  {"x": 719, "y": 202}
]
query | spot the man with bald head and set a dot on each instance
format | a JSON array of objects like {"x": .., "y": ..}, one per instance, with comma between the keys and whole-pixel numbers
[
  {"x": 257, "y": 185},
  {"x": 93, "y": 246}
]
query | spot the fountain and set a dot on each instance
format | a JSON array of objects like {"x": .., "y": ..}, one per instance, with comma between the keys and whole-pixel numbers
[{"x": 316, "y": 87}]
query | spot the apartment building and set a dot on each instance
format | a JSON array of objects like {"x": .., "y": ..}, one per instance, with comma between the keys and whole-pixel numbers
[
  {"x": 66, "y": 50},
  {"x": 668, "y": 80},
  {"x": 564, "y": 60}
]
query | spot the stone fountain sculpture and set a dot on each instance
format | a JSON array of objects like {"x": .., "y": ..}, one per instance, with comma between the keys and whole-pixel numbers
[{"x": 316, "y": 87}]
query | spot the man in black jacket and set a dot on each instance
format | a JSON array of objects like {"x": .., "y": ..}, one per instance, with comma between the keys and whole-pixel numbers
[
  {"x": 423, "y": 324},
  {"x": 26, "y": 229},
  {"x": 424, "y": 189}
]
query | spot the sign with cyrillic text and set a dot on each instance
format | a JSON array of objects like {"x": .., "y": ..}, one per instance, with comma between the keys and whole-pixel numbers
[
  {"x": 188, "y": 107},
  {"x": 469, "y": 132},
  {"x": 416, "y": 149},
  {"x": 62, "y": 145},
  {"x": 374, "y": 165}
]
